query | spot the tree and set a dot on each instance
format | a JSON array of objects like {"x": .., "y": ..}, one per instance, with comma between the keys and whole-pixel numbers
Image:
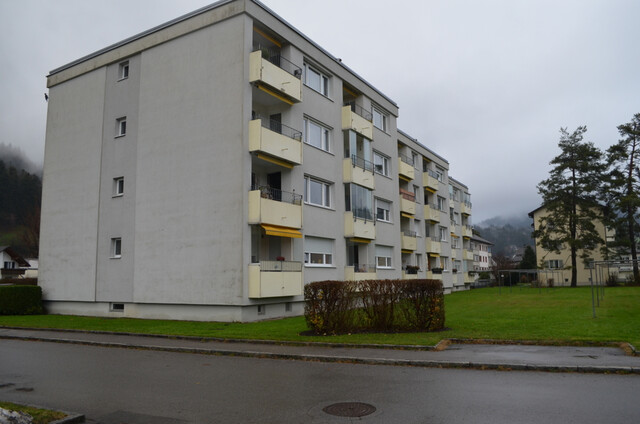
[
  {"x": 528, "y": 259},
  {"x": 623, "y": 188},
  {"x": 501, "y": 263},
  {"x": 570, "y": 196}
]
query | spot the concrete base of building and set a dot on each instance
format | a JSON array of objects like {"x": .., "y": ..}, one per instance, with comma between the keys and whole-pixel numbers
[{"x": 221, "y": 313}]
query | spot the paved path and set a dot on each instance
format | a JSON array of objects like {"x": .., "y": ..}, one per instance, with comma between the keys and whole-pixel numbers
[{"x": 463, "y": 355}]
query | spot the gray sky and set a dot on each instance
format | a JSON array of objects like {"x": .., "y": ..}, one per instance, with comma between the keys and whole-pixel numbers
[{"x": 486, "y": 84}]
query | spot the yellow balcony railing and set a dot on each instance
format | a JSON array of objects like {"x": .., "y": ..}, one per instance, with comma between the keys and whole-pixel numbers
[
  {"x": 355, "y": 122},
  {"x": 275, "y": 279},
  {"x": 430, "y": 181},
  {"x": 360, "y": 272},
  {"x": 467, "y": 255},
  {"x": 359, "y": 171},
  {"x": 431, "y": 213},
  {"x": 409, "y": 241},
  {"x": 405, "y": 169},
  {"x": 359, "y": 228},
  {"x": 275, "y": 207},
  {"x": 272, "y": 139},
  {"x": 274, "y": 80},
  {"x": 433, "y": 246}
]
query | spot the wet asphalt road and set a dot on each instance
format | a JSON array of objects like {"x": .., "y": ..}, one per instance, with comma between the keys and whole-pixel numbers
[{"x": 112, "y": 385}]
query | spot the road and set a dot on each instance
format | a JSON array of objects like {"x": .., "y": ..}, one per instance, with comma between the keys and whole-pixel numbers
[{"x": 112, "y": 385}]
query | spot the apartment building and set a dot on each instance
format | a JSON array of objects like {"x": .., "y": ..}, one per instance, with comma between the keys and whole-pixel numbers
[
  {"x": 208, "y": 168},
  {"x": 481, "y": 253}
]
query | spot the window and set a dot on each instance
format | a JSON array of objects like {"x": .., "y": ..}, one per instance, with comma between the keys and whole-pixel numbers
[
  {"x": 444, "y": 263},
  {"x": 554, "y": 264},
  {"x": 123, "y": 70},
  {"x": 9, "y": 265},
  {"x": 416, "y": 192},
  {"x": 443, "y": 233},
  {"x": 318, "y": 251},
  {"x": 379, "y": 119},
  {"x": 415, "y": 157},
  {"x": 317, "y": 192},
  {"x": 121, "y": 126},
  {"x": 116, "y": 247},
  {"x": 417, "y": 225},
  {"x": 383, "y": 256},
  {"x": 316, "y": 80},
  {"x": 442, "y": 203},
  {"x": 439, "y": 173},
  {"x": 118, "y": 186},
  {"x": 455, "y": 243},
  {"x": 315, "y": 135},
  {"x": 381, "y": 164},
  {"x": 359, "y": 201},
  {"x": 383, "y": 210}
]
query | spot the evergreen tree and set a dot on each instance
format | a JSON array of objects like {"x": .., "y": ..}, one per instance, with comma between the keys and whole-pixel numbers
[
  {"x": 528, "y": 259},
  {"x": 623, "y": 188},
  {"x": 570, "y": 198}
]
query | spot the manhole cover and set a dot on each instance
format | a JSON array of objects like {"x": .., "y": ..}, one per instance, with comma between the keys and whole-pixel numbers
[{"x": 350, "y": 409}]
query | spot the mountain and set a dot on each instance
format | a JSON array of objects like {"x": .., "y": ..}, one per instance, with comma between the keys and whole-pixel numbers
[{"x": 506, "y": 233}]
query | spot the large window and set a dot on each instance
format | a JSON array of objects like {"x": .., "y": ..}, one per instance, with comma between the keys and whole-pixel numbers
[
  {"x": 318, "y": 251},
  {"x": 316, "y": 80},
  {"x": 317, "y": 192},
  {"x": 554, "y": 264},
  {"x": 384, "y": 255},
  {"x": 316, "y": 134},
  {"x": 359, "y": 200},
  {"x": 381, "y": 164},
  {"x": 379, "y": 119},
  {"x": 383, "y": 210}
]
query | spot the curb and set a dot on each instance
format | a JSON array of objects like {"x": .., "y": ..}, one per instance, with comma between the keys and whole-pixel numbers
[
  {"x": 71, "y": 418},
  {"x": 344, "y": 359}
]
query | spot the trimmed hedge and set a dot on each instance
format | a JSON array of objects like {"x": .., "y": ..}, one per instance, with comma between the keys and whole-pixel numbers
[
  {"x": 20, "y": 300},
  {"x": 334, "y": 307}
]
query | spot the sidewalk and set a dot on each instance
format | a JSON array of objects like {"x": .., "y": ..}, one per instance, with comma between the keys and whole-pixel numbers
[{"x": 454, "y": 355}]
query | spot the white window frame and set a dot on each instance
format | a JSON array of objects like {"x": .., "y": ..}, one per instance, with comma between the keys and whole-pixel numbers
[
  {"x": 439, "y": 174},
  {"x": 385, "y": 164},
  {"x": 325, "y": 143},
  {"x": 322, "y": 251},
  {"x": 380, "y": 118},
  {"x": 387, "y": 210},
  {"x": 387, "y": 261},
  {"x": 123, "y": 70},
  {"x": 443, "y": 233},
  {"x": 444, "y": 263},
  {"x": 116, "y": 248},
  {"x": 557, "y": 264},
  {"x": 441, "y": 202},
  {"x": 323, "y": 79},
  {"x": 326, "y": 200},
  {"x": 416, "y": 226},
  {"x": 118, "y": 187},
  {"x": 121, "y": 126}
]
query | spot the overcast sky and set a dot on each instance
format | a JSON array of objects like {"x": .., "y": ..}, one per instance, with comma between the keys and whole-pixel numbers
[{"x": 486, "y": 84}]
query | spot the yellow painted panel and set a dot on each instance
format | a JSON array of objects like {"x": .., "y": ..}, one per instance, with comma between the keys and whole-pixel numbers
[{"x": 273, "y": 230}]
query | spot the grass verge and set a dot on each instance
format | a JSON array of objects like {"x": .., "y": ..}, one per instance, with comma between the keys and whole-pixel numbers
[
  {"x": 550, "y": 316},
  {"x": 40, "y": 416}
]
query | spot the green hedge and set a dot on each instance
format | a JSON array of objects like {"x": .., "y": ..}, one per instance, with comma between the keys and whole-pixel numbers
[
  {"x": 334, "y": 307},
  {"x": 20, "y": 300}
]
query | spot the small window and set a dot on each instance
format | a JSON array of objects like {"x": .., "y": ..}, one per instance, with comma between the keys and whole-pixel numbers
[
  {"x": 123, "y": 70},
  {"x": 442, "y": 203},
  {"x": 379, "y": 119},
  {"x": 116, "y": 248},
  {"x": 116, "y": 307},
  {"x": 415, "y": 158},
  {"x": 417, "y": 225},
  {"x": 316, "y": 80},
  {"x": 316, "y": 134},
  {"x": 118, "y": 186},
  {"x": 262, "y": 309},
  {"x": 383, "y": 210},
  {"x": 554, "y": 264},
  {"x": 443, "y": 233},
  {"x": 121, "y": 126},
  {"x": 383, "y": 256},
  {"x": 439, "y": 174},
  {"x": 381, "y": 164},
  {"x": 317, "y": 192}
]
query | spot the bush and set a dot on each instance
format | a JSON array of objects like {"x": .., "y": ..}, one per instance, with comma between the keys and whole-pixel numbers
[
  {"x": 334, "y": 307},
  {"x": 20, "y": 300}
]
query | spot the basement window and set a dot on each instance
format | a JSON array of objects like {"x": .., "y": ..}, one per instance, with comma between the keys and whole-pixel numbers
[
  {"x": 261, "y": 309},
  {"x": 116, "y": 307}
]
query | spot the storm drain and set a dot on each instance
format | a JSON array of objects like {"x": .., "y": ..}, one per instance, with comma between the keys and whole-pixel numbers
[{"x": 350, "y": 409}]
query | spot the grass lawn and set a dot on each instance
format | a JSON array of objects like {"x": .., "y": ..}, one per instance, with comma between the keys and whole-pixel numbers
[
  {"x": 40, "y": 416},
  {"x": 560, "y": 315}
]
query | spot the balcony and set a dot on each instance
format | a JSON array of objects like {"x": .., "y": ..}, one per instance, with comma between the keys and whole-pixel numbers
[
  {"x": 465, "y": 208},
  {"x": 433, "y": 246},
  {"x": 359, "y": 272},
  {"x": 407, "y": 276},
  {"x": 432, "y": 276},
  {"x": 431, "y": 213},
  {"x": 357, "y": 119},
  {"x": 359, "y": 228},
  {"x": 275, "y": 279},
  {"x": 359, "y": 171},
  {"x": 405, "y": 168},
  {"x": 468, "y": 279},
  {"x": 275, "y": 207},
  {"x": 407, "y": 202},
  {"x": 430, "y": 181},
  {"x": 276, "y": 76},
  {"x": 467, "y": 255},
  {"x": 467, "y": 231},
  {"x": 409, "y": 240},
  {"x": 277, "y": 141}
]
